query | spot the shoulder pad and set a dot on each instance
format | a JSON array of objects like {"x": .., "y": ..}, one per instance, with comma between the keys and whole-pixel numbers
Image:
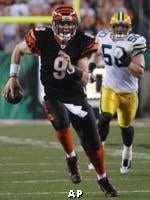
[
  {"x": 102, "y": 33},
  {"x": 41, "y": 30},
  {"x": 139, "y": 43},
  {"x": 88, "y": 35},
  {"x": 87, "y": 43}
]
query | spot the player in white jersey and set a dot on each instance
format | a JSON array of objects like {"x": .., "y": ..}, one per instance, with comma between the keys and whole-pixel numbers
[{"x": 124, "y": 65}]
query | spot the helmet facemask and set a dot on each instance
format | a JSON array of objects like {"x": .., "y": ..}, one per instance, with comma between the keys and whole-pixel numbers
[
  {"x": 120, "y": 31},
  {"x": 64, "y": 29},
  {"x": 121, "y": 25}
]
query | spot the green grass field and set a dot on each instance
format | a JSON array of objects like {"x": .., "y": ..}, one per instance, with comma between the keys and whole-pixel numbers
[{"x": 32, "y": 165}]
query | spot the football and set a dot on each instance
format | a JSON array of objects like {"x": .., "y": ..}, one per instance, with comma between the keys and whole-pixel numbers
[{"x": 18, "y": 96}]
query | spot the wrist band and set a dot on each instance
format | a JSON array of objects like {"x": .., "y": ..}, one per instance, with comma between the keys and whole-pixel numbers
[
  {"x": 14, "y": 69},
  {"x": 76, "y": 74},
  {"x": 92, "y": 66},
  {"x": 71, "y": 72},
  {"x": 13, "y": 76}
]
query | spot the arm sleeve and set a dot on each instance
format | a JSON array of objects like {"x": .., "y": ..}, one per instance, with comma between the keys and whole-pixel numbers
[
  {"x": 91, "y": 46},
  {"x": 139, "y": 46}
]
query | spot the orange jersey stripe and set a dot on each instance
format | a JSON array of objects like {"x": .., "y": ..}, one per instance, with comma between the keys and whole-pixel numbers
[
  {"x": 31, "y": 42},
  {"x": 93, "y": 47}
]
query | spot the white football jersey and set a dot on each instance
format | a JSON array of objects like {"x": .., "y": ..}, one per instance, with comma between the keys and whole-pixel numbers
[{"x": 115, "y": 75}]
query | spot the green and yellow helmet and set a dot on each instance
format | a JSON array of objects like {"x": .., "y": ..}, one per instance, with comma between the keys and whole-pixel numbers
[
  {"x": 120, "y": 18},
  {"x": 121, "y": 24}
]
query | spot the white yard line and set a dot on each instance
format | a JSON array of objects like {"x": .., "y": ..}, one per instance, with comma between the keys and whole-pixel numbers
[
  {"x": 29, "y": 141},
  {"x": 30, "y": 172},
  {"x": 28, "y": 164},
  {"x": 23, "y": 122},
  {"x": 137, "y": 122},
  {"x": 62, "y": 180},
  {"x": 35, "y": 181},
  {"x": 53, "y": 144},
  {"x": 53, "y": 163},
  {"x": 57, "y": 172}
]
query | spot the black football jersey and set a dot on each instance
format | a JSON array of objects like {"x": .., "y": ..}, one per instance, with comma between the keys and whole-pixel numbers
[{"x": 56, "y": 81}]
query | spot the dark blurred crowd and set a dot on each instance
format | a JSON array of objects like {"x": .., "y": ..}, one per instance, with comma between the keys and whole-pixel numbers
[{"x": 94, "y": 15}]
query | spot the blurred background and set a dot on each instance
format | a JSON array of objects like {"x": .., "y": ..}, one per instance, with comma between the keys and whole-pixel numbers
[{"x": 94, "y": 16}]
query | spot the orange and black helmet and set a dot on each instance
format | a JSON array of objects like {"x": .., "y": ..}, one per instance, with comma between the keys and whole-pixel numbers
[
  {"x": 64, "y": 13},
  {"x": 61, "y": 15}
]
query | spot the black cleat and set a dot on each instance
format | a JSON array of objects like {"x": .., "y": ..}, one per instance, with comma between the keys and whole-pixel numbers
[
  {"x": 107, "y": 188},
  {"x": 73, "y": 169}
]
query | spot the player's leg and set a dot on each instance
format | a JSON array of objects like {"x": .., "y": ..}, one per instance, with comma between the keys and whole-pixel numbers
[
  {"x": 59, "y": 117},
  {"x": 104, "y": 125},
  {"x": 86, "y": 129},
  {"x": 108, "y": 106},
  {"x": 127, "y": 138},
  {"x": 126, "y": 114}
]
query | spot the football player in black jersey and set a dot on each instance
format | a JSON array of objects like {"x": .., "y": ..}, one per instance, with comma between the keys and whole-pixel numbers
[{"x": 63, "y": 50}]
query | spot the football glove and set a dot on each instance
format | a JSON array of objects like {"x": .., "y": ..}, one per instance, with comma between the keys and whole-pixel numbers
[
  {"x": 92, "y": 66},
  {"x": 92, "y": 78},
  {"x": 123, "y": 56}
]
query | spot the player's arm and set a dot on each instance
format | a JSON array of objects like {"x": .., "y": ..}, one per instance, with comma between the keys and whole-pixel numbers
[
  {"x": 13, "y": 81},
  {"x": 137, "y": 65},
  {"x": 83, "y": 65},
  {"x": 132, "y": 54},
  {"x": 18, "y": 52}
]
